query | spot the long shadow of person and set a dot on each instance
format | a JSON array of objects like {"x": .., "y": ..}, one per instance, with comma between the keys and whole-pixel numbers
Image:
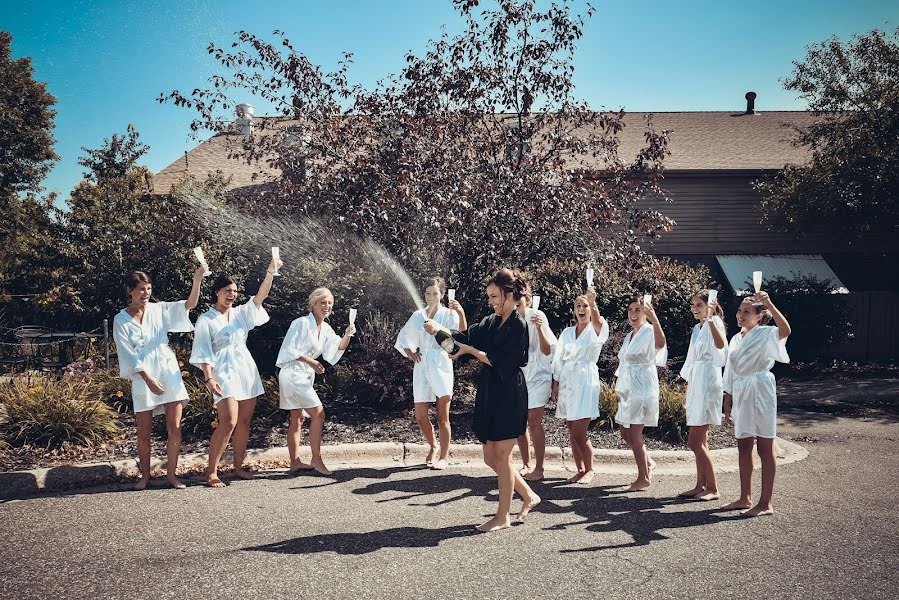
[
  {"x": 345, "y": 475},
  {"x": 366, "y": 542},
  {"x": 464, "y": 486}
]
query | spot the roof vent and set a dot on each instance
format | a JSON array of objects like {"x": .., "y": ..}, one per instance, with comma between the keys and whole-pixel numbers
[
  {"x": 244, "y": 119},
  {"x": 750, "y": 103}
]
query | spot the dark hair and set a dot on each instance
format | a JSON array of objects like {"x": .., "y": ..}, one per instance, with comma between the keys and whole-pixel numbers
[
  {"x": 759, "y": 308},
  {"x": 135, "y": 277},
  {"x": 222, "y": 281},
  {"x": 510, "y": 282},
  {"x": 704, "y": 296},
  {"x": 440, "y": 282},
  {"x": 638, "y": 298}
]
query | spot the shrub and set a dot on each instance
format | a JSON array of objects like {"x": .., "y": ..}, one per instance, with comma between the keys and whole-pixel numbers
[
  {"x": 50, "y": 413},
  {"x": 199, "y": 417},
  {"x": 818, "y": 318},
  {"x": 376, "y": 375}
]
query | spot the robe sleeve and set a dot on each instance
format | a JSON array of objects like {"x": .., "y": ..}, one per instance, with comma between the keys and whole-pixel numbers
[
  {"x": 408, "y": 336},
  {"x": 603, "y": 332},
  {"x": 727, "y": 383},
  {"x": 130, "y": 360},
  {"x": 472, "y": 336},
  {"x": 251, "y": 315},
  {"x": 175, "y": 316},
  {"x": 685, "y": 371},
  {"x": 293, "y": 342},
  {"x": 331, "y": 351},
  {"x": 548, "y": 332},
  {"x": 558, "y": 352},
  {"x": 201, "y": 352},
  {"x": 775, "y": 347}
]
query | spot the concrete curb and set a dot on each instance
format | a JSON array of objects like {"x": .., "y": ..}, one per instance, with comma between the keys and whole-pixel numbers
[{"x": 23, "y": 484}]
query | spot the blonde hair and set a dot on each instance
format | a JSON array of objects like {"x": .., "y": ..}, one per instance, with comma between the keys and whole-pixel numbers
[
  {"x": 765, "y": 315},
  {"x": 317, "y": 294}
]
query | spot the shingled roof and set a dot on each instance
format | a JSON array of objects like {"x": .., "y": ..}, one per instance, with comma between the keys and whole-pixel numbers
[{"x": 700, "y": 141}]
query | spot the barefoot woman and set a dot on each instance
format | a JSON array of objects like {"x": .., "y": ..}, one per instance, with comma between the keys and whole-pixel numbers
[
  {"x": 500, "y": 342},
  {"x": 230, "y": 373},
  {"x": 141, "y": 333}
]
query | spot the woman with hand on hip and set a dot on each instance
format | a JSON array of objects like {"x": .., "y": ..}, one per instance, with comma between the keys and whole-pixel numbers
[{"x": 141, "y": 337}]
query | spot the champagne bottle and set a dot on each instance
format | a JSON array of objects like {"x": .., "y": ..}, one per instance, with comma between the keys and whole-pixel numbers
[{"x": 446, "y": 341}]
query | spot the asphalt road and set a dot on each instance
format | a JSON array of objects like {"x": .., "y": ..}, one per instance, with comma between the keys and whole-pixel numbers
[{"x": 408, "y": 533}]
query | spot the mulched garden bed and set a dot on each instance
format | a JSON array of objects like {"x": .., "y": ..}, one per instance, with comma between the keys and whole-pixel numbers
[{"x": 346, "y": 422}]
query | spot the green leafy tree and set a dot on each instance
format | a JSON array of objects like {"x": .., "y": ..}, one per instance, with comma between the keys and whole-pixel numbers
[
  {"x": 27, "y": 254},
  {"x": 850, "y": 184}
]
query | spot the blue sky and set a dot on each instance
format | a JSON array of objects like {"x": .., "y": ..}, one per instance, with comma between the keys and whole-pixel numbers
[{"x": 107, "y": 61}]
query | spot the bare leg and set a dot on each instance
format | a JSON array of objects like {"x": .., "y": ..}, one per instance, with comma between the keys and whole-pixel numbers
[
  {"x": 635, "y": 435},
  {"x": 245, "y": 410},
  {"x": 499, "y": 455},
  {"x": 227, "y": 421},
  {"x": 695, "y": 441},
  {"x": 538, "y": 436},
  {"x": 765, "y": 448},
  {"x": 446, "y": 431},
  {"x": 524, "y": 448},
  {"x": 704, "y": 460},
  {"x": 173, "y": 427},
  {"x": 295, "y": 439},
  {"x": 744, "y": 446},
  {"x": 316, "y": 426},
  {"x": 580, "y": 438},
  {"x": 575, "y": 453},
  {"x": 144, "y": 429},
  {"x": 427, "y": 430}
]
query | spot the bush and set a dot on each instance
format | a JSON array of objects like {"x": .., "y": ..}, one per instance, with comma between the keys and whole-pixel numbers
[
  {"x": 672, "y": 426},
  {"x": 50, "y": 413},
  {"x": 376, "y": 374},
  {"x": 818, "y": 318}
]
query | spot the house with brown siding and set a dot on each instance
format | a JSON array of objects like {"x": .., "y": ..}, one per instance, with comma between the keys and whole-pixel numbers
[{"x": 715, "y": 157}]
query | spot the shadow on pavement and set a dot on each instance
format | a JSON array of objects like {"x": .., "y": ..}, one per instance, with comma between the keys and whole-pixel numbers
[
  {"x": 805, "y": 403},
  {"x": 367, "y": 542}
]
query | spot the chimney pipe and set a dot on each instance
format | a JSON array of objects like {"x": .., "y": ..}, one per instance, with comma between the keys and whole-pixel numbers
[
  {"x": 244, "y": 119},
  {"x": 750, "y": 103}
]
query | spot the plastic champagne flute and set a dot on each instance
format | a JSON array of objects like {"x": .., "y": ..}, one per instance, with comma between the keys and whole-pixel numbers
[
  {"x": 589, "y": 276},
  {"x": 276, "y": 253},
  {"x": 713, "y": 296},
  {"x": 535, "y": 302},
  {"x": 198, "y": 252},
  {"x": 757, "y": 281},
  {"x": 451, "y": 294},
  {"x": 352, "y": 316},
  {"x": 647, "y": 299}
]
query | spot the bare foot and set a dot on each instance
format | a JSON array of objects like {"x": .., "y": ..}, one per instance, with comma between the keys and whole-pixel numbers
[
  {"x": 527, "y": 506},
  {"x": 639, "y": 484},
  {"x": 741, "y": 504},
  {"x": 176, "y": 483},
  {"x": 575, "y": 478},
  {"x": 244, "y": 473},
  {"x": 214, "y": 482},
  {"x": 758, "y": 510},
  {"x": 587, "y": 478},
  {"x": 439, "y": 465},
  {"x": 430, "y": 459},
  {"x": 708, "y": 495},
  {"x": 535, "y": 475},
  {"x": 494, "y": 524},
  {"x": 525, "y": 470},
  {"x": 319, "y": 465},
  {"x": 696, "y": 491},
  {"x": 142, "y": 484},
  {"x": 650, "y": 467},
  {"x": 300, "y": 466}
]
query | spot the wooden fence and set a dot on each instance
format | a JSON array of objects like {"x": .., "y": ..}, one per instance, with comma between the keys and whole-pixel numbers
[{"x": 875, "y": 319}]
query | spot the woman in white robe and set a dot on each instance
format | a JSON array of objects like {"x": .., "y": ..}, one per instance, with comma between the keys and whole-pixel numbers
[
  {"x": 637, "y": 385},
  {"x": 432, "y": 370},
  {"x": 538, "y": 375},
  {"x": 229, "y": 371},
  {"x": 703, "y": 401},
  {"x": 576, "y": 383},
  {"x": 750, "y": 394},
  {"x": 141, "y": 334},
  {"x": 308, "y": 338}
]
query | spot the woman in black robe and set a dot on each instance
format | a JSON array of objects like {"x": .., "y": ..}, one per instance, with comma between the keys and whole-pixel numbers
[{"x": 500, "y": 342}]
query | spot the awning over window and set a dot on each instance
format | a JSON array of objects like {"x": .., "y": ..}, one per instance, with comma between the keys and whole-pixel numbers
[{"x": 738, "y": 269}]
